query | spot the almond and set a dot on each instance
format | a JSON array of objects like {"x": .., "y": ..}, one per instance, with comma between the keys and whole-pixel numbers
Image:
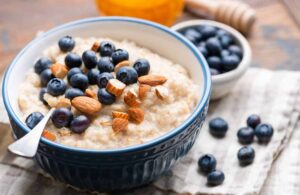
[
  {"x": 63, "y": 102},
  {"x": 161, "y": 92},
  {"x": 143, "y": 90},
  {"x": 49, "y": 135},
  {"x": 90, "y": 93},
  {"x": 95, "y": 46},
  {"x": 119, "y": 124},
  {"x": 64, "y": 132},
  {"x": 115, "y": 87},
  {"x": 59, "y": 70},
  {"x": 131, "y": 99},
  {"x": 136, "y": 114},
  {"x": 152, "y": 80},
  {"x": 117, "y": 114},
  {"x": 86, "y": 105},
  {"x": 121, "y": 64},
  {"x": 105, "y": 123}
]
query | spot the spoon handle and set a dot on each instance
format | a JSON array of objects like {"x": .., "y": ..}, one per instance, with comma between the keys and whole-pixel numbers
[{"x": 28, "y": 144}]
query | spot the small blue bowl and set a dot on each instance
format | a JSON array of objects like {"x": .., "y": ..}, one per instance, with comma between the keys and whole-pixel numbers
[{"x": 115, "y": 169}]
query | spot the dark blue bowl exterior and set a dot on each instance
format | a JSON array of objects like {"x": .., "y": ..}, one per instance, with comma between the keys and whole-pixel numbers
[{"x": 109, "y": 172}]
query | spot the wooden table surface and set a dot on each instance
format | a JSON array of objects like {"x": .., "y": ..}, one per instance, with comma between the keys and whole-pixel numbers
[{"x": 275, "y": 39}]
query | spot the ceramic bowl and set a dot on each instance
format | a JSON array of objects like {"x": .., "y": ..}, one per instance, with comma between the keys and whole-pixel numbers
[
  {"x": 123, "y": 168},
  {"x": 223, "y": 83}
]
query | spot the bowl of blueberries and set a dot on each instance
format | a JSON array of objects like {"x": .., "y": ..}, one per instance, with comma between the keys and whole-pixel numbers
[{"x": 226, "y": 51}]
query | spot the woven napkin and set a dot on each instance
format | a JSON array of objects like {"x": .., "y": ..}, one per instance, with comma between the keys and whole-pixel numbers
[{"x": 272, "y": 95}]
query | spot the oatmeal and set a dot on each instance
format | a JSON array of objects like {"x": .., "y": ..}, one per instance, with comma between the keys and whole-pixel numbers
[{"x": 107, "y": 93}]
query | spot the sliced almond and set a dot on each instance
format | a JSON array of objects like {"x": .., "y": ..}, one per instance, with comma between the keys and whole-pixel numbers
[
  {"x": 90, "y": 93},
  {"x": 86, "y": 105},
  {"x": 119, "y": 124},
  {"x": 161, "y": 92},
  {"x": 64, "y": 132},
  {"x": 115, "y": 87},
  {"x": 49, "y": 135},
  {"x": 121, "y": 64},
  {"x": 95, "y": 46},
  {"x": 152, "y": 80},
  {"x": 117, "y": 114},
  {"x": 131, "y": 99},
  {"x": 105, "y": 123},
  {"x": 136, "y": 114},
  {"x": 59, "y": 70},
  {"x": 63, "y": 102},
  {"x": 143, "y": 90}
]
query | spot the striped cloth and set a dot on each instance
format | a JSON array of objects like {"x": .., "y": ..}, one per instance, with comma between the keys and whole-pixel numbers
[{"x": 272, "y": 95}]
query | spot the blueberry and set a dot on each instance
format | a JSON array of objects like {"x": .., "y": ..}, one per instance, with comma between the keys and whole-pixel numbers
[
  {"x": 66, "y": 43},
  {"x": 119, "y": 55},
  {"x": 214, "y": 62},
  {"x": 73, "y": 60},
  {"x": 33, "y": 119},
  {"x": 105, "y": 97},
  {"x": 263, "y": 132},
  {"x": 42, "y": 64},
  {"x": 221, "y": 33},
  {"x": 214, "y": 71},
  {"x": 93, "y": 76},
  {"x": 207, "y": 163},
  {"x": 46, "y": 76},
  {"x": 203, "y": 50},
  {"x": 56, "y": 87},
  {"x": 41, "y": 95},
  {"x": 127, "y": 75},
  {"x": 106, "y": 48},
  {"x": 224, "y": 53},
  {"x": 230, "y": 62},
  {"x": 218, "y": 127},
  {"x": 61, "y": 117},
  {"x": 237, "y": 50},
  {"x": 213, "y": 46},
  {"x": 72, "y": 72},
  {"x": 215, "y": 178},
  {"x": 80, "y": 81},
  {"x": 73, "y": 92},
  {"x": 253, "y": 120},
  {"x": 79, "y": 124},
  {"x": 103, "y": 79},
  {"x": 245, "y": 135},
  {"x": 105, "y": 65},
  {"x": 192, "y": 35},
  {"x": 89, "y": 59},
  {"x": 208, "y": 31},
  {"x": 226, "y": 41},
  {"x": 246, "y": 155},
  {"x": 142, "y": 66}
]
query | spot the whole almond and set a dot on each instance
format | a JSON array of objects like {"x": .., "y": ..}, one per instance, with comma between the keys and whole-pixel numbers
[
  {"x": 119, "y": 124},
  {"x": 115, "y": 87},
  {"x": 90, "y": 93},
  {"x": 161, "y": 92},
  {"x": 117, "y": 114},
  {"x": 95, "y": 46},
  {"x": 152, "y": 79},
  {"x": 121, "y": 64},
  {"x": 86, "y": 105},
  {"x": 136, "y": 114},
  {"x": 143, "y": 90},
  {"x": 59, "y": 70},
  {"x": 131, "y": 99}
]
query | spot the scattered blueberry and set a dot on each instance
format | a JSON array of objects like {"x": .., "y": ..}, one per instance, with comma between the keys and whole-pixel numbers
[
  {"x": 214, "y": 71},
  {"x": 142, "y": 66},
  {"x": 93, "y": 76},
  {"x": 119, "y": 55},
  {"x": 42, "y": 64},
  {"x": 46, "y": 76},
  {"x": 192, "y": 35},
  {"x": 66, "y": 43},
  {"x": 33, "y": 119},
  {"x": 246, "y": 155},
  {"x": 73, "y": 92},
  {"x": 253, "y": 120},
  {"x": 80, "y": 81},
  {"x": 103, "y": 79},
  {"x": 89, "y": 59},
  {"x": 230, "y": 62},
  {"x": 106, "y": 48},
  {"x": 127, "y": 75},
  {"x": 208, "y": 31},
  {"x": 105, "y": 65},
  {"x": 73, "y": 71},
  {"x": 245, "y": 135},
  {"x": 215, "y": 178},
  {"x": 105, "y": 97},
  {"x": 56, "y": 87},
  {"x": 41, "y": 95},
  {"x": 79, "y": 124},
  {"x": 214, "y": 62},
  {"x": 73, "y": 60},
  {"x": 213, "y": 46},
  {"x": 218, "y": 127},
  {"x": 207, "y": 163},
  {"x": 263, "y": 132},
  {"x": 61, "y": 117},
  {"x": 234, "y": 49}
]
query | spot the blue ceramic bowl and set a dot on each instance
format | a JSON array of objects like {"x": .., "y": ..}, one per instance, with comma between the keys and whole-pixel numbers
[{"x": 115, "y": 169}]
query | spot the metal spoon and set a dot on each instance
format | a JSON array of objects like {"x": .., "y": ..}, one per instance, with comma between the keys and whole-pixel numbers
[{"x": 28, "y": 144}]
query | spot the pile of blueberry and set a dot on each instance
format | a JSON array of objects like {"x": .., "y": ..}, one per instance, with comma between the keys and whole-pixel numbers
[
  {"x": 96, "y": 71},
  {"x": 219, "y": 47},
  {"x": 218, "y": 128}
]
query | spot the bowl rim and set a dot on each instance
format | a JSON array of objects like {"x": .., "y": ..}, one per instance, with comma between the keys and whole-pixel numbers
[
  {"x": 201, "y": 104},
  {"x": 247, "y": 53}
]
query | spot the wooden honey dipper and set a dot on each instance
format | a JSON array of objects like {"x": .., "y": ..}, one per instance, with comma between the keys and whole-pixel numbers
[{"x": 233, "y": 13}]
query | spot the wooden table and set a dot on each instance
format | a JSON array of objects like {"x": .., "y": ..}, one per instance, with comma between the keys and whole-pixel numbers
[{"x": 275, "y": 38}]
